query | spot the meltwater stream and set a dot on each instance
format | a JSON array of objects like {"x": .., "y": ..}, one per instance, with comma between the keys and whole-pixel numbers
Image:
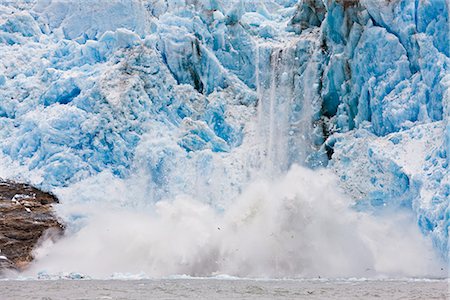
[{"x": 289, "y": 222}]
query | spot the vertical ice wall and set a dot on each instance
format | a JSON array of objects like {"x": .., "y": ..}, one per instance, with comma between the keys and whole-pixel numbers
[{"x": 383, "y": 93}]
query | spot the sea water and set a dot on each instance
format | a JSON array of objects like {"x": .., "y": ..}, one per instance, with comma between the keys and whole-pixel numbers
[{"x": 224, "y": 289}]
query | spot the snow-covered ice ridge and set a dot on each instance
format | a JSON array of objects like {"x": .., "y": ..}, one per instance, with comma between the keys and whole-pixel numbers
[{"x": 187, "y": 94}]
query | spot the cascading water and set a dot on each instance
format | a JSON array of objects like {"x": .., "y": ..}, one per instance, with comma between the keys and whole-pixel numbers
[
  {"x": 275, "y": 93},
  {"x": 288, "y": 84}
]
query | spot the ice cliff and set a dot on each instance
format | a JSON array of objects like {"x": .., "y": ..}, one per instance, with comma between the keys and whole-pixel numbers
[{"x": 196, "y": 97}]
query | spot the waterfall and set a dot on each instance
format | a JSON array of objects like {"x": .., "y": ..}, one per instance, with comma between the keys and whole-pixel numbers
[
  {"x": 288, "y": 79},
  {"x": 275, "y": 93}
]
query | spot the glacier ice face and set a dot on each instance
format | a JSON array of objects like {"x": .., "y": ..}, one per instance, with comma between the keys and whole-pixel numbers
[
  {"x": 87, "y": 19},
  {"x": 402, "y": 170},
  {"x": 116, "y": 99},
  {"x": 386, "y": 74},
  {"x": 197, "y": 97},
  {"x": 383, "y": 68}
]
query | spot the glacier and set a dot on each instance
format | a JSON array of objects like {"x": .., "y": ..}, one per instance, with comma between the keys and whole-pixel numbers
[{"x": 160, "y": 98}]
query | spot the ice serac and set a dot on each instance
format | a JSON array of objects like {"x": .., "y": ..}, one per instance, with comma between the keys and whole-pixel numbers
[
  {"x": 384, "y": 94},
  {"x": 92, "y": 100},
  {"x": 196, "y": 97},
  {"x": 383, "y": 68},
  {"x": 87, "y": 19},
  {"x": 383, "y": 77}
]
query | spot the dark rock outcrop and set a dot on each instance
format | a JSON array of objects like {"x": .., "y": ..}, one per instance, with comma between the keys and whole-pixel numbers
[{"x": 26, "y": 215}]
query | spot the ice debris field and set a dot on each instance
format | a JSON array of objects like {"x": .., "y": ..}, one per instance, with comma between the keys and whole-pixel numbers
[{"x": 144, "y": 105}]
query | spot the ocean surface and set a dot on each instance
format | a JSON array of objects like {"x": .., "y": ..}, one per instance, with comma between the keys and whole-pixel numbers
[{"x": 223, "y": 289}]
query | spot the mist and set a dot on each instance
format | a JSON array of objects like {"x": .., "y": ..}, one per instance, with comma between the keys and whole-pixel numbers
[{"x": 299, "y": 226}]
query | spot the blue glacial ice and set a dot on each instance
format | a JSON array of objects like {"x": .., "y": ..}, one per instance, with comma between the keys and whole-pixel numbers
[{"x": 200, "y": 97}]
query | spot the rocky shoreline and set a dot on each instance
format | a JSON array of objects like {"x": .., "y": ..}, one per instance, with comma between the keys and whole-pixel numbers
[{"x": 26, "y": 215}]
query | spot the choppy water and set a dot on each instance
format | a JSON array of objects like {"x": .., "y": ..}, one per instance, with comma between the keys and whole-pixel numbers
[{"x": 222, "y": 289}]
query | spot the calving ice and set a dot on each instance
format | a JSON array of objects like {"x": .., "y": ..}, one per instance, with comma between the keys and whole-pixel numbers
[{"x": 273, "y": 138}]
